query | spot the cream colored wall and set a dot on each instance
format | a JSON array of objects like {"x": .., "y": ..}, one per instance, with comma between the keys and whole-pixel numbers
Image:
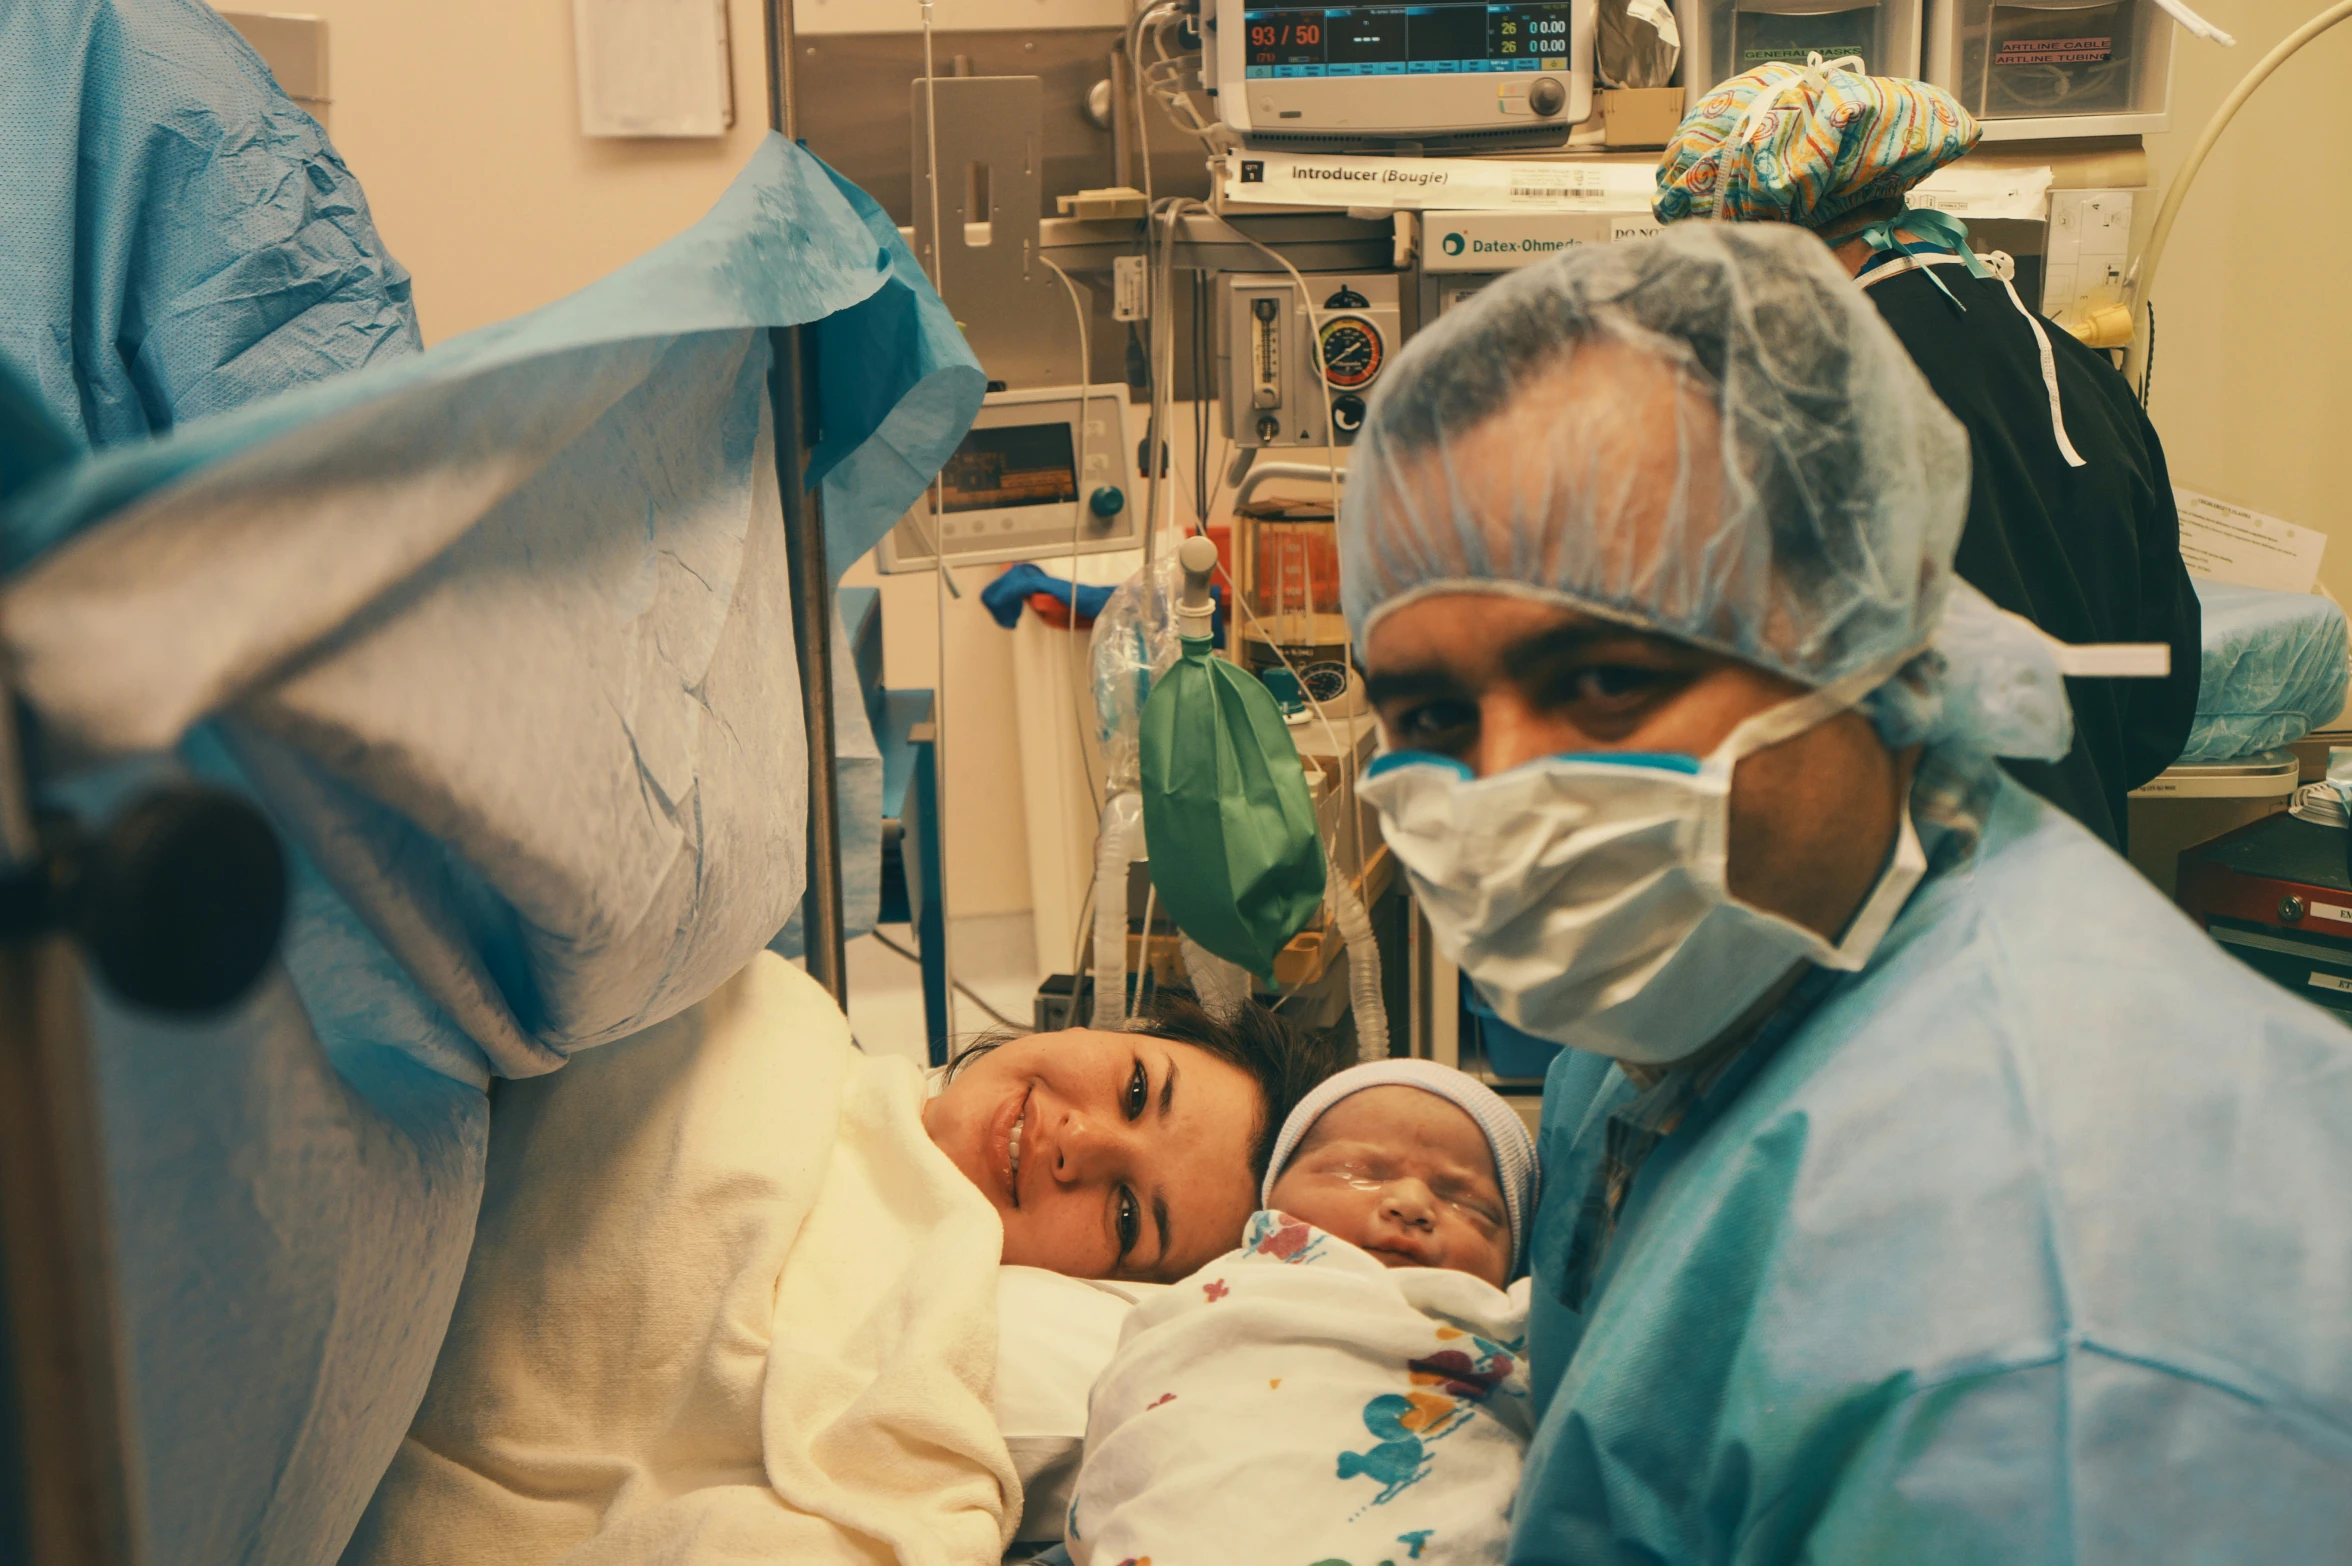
[
  {"x": 462, "y": 121},
  {"x": 2253, "y": 326}
]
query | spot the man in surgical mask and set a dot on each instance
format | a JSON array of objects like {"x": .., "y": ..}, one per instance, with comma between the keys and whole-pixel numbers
[{"x": 1920, "y": 1186}]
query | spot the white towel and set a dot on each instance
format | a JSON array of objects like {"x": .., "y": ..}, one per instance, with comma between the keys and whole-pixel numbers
[
  {"x": 728, "y": 1302},
  {"x": 1297, "y": 1401}
]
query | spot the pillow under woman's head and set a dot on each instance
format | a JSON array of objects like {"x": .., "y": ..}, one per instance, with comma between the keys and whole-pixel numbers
[{"x": 1132, "y": 1154}]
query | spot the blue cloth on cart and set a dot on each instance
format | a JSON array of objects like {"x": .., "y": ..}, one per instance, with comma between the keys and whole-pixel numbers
[
  {"x": 2273, "y": 669},
  {"x": 500, "y": 638},
  {"x": 1008, "y": 595},
  {"x": 177, "y": 237}
]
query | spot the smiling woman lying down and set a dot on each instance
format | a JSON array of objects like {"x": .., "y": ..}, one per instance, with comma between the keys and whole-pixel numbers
[{"x": 733, "y": 1291}]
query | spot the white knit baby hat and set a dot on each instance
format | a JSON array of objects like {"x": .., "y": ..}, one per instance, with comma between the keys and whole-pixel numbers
[{"x": 1506, "y": 1135}]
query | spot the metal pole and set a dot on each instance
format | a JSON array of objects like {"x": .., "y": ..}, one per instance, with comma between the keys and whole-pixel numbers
[
  {"x": 794, "y": 400},
  {"x": 79, "y": 1502}
]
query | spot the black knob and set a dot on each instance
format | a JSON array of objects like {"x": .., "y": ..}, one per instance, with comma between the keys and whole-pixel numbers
[
  {"x": 1546, "y": 96},
  {"x": 1107, "y": 501},
  {"x": 1269, "y": 428},
  {"x": 181, "y": 899},
  {"x": 1347, "y": 414}
]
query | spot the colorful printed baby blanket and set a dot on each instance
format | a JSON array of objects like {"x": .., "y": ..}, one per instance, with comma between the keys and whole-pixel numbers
[{"x": 1296, "y": 1403}]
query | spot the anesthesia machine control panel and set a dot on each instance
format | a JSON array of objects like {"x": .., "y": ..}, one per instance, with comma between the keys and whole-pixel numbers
[
  {"x": 1267, "y": 349},
  {"x": 1462, "y": 73},
  {"x": 1029, "y": 481}
]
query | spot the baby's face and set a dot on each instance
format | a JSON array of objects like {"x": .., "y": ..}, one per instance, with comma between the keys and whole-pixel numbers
[{"x": 1406, "y": 1175}]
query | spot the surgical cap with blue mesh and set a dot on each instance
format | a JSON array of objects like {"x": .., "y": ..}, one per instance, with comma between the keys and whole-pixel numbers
[{"x": 1790, "y": 491}]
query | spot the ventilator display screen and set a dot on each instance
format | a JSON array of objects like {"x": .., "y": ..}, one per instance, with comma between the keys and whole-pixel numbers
[
  {"x": 1011, "y": 465},
  {"x": 1406, "y": 40}
]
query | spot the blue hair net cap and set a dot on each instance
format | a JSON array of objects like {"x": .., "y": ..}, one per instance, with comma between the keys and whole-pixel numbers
[
  {"x": 1711, "y": 434},
  {"x": 1990, "y": 682}
]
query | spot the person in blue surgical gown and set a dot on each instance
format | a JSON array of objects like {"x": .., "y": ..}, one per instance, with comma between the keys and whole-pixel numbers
[
  {"x": 177, "y": 238},
  {"x": 1919, "y": 1185}
]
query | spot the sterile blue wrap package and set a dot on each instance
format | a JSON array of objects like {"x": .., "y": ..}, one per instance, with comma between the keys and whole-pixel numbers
[
  {"x": 500, "y": 638},
  {"x": 177, "y": 237},
  {"x": 2273, "y": 669}
]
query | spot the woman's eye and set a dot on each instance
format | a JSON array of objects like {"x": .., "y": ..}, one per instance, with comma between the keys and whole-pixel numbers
[
  {"x": 1138, "y": 1091},
  {"x": 1130, "y": 1221}
]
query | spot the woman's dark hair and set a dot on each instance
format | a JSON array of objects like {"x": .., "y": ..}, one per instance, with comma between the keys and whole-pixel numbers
[{"x": 1283, "y": 1059}]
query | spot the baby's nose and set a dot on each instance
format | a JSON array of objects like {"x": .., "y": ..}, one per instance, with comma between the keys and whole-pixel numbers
[{"x": 1408, "y": 1200}]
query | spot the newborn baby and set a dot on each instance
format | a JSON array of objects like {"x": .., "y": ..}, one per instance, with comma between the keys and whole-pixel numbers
[{"x": 1346, "y": 1388}]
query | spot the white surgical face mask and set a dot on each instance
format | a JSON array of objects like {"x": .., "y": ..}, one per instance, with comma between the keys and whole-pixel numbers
[{"x": 1585, "y": 894}]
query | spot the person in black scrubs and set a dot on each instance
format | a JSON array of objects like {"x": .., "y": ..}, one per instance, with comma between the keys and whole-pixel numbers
[{"x": 2070, "y": 513}]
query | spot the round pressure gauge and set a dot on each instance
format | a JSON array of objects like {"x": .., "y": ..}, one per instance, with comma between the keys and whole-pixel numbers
[
  {"x": 1326, "y": 682},
  {"x": 1352, "y": 351}
]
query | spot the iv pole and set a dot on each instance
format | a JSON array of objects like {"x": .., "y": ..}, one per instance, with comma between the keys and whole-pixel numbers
[
  {"x": 78, "y": 1500},
  {"x": 793, "y": 399}
]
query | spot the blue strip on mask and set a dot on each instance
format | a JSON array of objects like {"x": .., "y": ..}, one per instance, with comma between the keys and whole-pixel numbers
[
  {"x": 1662, "y": 760},
  {"x": 1390, "y": 761}
]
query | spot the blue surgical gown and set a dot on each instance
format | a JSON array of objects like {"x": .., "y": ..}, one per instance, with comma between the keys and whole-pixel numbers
[
  {"x": 176, "y": 236},
  {"x": 2033, "y": 1244}
]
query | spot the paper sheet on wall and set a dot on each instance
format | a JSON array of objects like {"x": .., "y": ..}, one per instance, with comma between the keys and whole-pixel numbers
[
  {"x": 2231, "y": 544},
  {"x": 653, "y": 67}
]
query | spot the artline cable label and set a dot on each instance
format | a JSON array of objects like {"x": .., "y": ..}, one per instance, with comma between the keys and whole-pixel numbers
[{"x": 2055, "y": 51}]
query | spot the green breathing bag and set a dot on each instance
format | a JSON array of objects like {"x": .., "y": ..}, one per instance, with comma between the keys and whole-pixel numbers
[{"x": 1227, "y": 819}]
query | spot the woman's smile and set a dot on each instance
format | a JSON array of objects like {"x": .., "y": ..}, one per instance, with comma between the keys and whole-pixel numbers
[{"x": 1014, "y": 1117}]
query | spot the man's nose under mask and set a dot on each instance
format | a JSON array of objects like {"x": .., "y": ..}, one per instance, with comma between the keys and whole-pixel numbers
[{"x": 1586, "y": 894}]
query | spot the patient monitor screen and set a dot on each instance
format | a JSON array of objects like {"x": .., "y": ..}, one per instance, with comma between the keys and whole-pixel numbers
[
  {"x": 1011, "y": 465},
  {"x": 1406, "y": 40}
]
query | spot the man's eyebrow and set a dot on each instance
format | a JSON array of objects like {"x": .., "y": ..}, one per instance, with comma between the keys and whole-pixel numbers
[
  {"x": 1538, "y": 648},
  {"x": 1410, "y": 685}
]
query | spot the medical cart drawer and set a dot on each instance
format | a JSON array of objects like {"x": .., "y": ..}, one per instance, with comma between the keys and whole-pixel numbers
[
  {"x": 2316, "y": 967},
  {"x": 2275, "y": 894}
]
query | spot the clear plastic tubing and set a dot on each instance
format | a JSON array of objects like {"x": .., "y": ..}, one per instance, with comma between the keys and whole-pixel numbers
[
  {"x": 1355, "y": 927},
  {"x": 1115, "y": 841}
]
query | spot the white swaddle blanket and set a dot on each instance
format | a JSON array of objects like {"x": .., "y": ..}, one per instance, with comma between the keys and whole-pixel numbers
[
  {"x": 1296, "y": 1401},
  {"x": 728, "y": 1303}
]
